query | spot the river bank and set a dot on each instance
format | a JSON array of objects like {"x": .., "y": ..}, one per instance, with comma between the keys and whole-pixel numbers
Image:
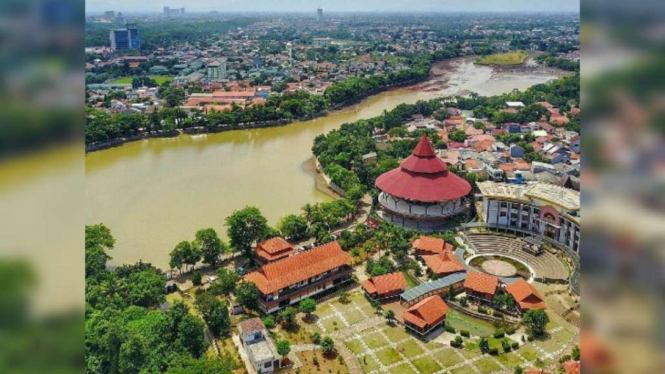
[
  {"x": 320, "y": 182},
  {"x": 156, "y": 192}
]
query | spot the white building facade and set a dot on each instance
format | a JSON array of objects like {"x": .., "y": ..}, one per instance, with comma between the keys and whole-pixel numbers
[{"x": 546, "y": 210}]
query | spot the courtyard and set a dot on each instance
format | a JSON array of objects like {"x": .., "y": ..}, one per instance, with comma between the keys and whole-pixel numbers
[{"x": 382, "y": 347}]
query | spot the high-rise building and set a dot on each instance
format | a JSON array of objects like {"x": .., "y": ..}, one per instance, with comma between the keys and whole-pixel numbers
[
  {"x": 319, "y": 14},
  {"x": 166, "y": 11},
  {"x": 182, "y": 11},
  {"x": 289, "y": 47},
  {"x": 109, "y": 14},
  {"x": 217, "y": 69},
  {"x": 125, "y": 39}
]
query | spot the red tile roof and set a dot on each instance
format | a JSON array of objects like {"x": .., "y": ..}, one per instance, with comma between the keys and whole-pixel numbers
[
  {"x": 483, "y": 145},
  {"x": 274, "y": 249},
  {"x": 274, "y": 245},
  {"x": 432, "y": 245},
  {"x": 291, "y": 270},
  {"x": 385, "y": 284},
  {"x": 526, "y": 295},
  {"x": 426, "y": 312},
  {"x": 571, "y": 367},
  {"x": 444, "y": 264},
  {"x": 481, "y": 282},
  {"x": 535, "y": 371}
]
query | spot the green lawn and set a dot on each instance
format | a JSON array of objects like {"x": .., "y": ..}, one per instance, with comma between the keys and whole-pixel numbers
[
  {"x": 463, "y": 370},
  {"x": 528, "y": 352},
  {"x": 487, "y": 365},
  {"x": 426, "y": 365},
  {"x": 448, "y": 357},
  {"x": 333, "y": 324},
  {"x": 410, "y": 348},
  {"x": 410, "y": 281},
  {"x": 388, "y": 356},
  {"x": 160, "y": 79},
  {"x": 510, "y": 58},
  {"x": 509, "y": 360},
  {"x": 564, "y": 336},
  {"x": 368, "y": 363},
  {"x": 374, "y": 340},
  {"x": 356, "y": 346},
  {"x": 396, "y": 334},
  {"x": 402, "y": 369},
  {"x": 475, "y": 326}
]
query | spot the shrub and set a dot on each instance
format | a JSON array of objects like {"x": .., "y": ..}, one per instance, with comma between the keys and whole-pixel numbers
[
  {"x": 497, "y": 314},
  {"x": 457, "y": 342},
  {"x": 269, "y": 322},
  {"x": 196, "y": 278},
  {"x": 530, "y": 338},
  {"x": 465, "y": 333},
  {"x": 493, "y": 351},
  {"x": 450, "y": 329},
  {"x": 515, "y": 345},
  {"x": 316, "y": 337},
  {"x": 499, "y": 334},
  {"x": 482, "y": 309},
  {"x": 523, "y": 338},
  {"x": 511, "y": 330},
  {"x": 506, "y": 345}
]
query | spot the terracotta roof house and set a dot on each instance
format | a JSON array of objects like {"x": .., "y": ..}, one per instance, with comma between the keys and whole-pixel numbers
[
  {"x": 480, "y": 285},
  {"x": 572, "y": 367},
  {"x": 291, "y": 279},
  {"x": 444, "y": 264},
  {"x": 272, "y": 250},
  {"x": 428, "y": 245},
  {"x": 426, "y": 315},
  {"x": 526, "y": 296},
  {"x": 483, "y": 145},
  {"x": 384, "y": 286}
]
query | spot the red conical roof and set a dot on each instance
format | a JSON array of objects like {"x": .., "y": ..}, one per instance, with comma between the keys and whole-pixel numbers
[{"x": 423, "y": 177}]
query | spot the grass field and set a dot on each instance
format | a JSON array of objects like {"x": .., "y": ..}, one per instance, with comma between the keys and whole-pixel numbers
[
  {"x": 510, "y": 58},
  {"x": 475, "y": 326},
  {"x": 160, "y": 79}
]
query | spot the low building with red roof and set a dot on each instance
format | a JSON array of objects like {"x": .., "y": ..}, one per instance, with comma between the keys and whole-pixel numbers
[
  {"x": 444, "y": 264},
  {"x": 384, "y": 286},
  {"x": 526, "y": 296},
  {"x": 535, "y": 371},
  {"x": 291, "y": 279},
  {"x": 572, "y": 367},
  {"x": 429, "y": 245},
  {"x": 272, "y": 250},
  {"x": 426, "y": 315},
  {"x": 480, "y": 285}
]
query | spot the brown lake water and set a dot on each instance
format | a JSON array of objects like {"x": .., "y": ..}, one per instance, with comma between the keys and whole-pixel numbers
[{"x": 155, "y": 193}]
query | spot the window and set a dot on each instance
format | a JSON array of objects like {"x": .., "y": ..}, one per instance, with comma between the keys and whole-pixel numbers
[{"x": 268, "y": 364}]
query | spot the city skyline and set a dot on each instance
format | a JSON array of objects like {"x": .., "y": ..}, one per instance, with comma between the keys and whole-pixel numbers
[{"x": 309, "y": 6}]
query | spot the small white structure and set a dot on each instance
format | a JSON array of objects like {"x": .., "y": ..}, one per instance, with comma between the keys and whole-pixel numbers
[
  {"x": 515, "y": 104},
  {"x": 258, "y": 345}
]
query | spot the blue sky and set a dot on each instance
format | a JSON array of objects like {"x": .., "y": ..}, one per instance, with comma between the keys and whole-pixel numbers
[{"x": 337, "y": 5}]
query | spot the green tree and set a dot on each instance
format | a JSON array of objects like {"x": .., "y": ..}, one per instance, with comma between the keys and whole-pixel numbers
[
  {"x": 245, "y": 227},
  {"x": 389, "y": 314},
  {"x": 178, "y": 254},
  {"x": 287, "y": 316},
  {"x": 535, "y": 320},
  {"x": 484, "y": 345},
  {"x": 519, "y": 370},
  {"x": 576, "y": 353},
  {"x": 98, "y": 240},
  {"x": 197, "y": 278},
  {"x": 457, "y": 136},
  {"x": 293, "y": 227},
  {"x": 247, "y": 294},
  {"x": 215, "y": 313},
  {"x": 225, "y": 283},
  {"x": 209, "y": 245},
  {"x": 269, "y": 322},
  {"x": 308, "y": 306},
  {"x": 327, "y": 345},
  {"x": 145, "y": 288},
  {"x": 283, "y": 347},
  {"x": 132, "y": 355},
  {"x": 189, "y": 335}
]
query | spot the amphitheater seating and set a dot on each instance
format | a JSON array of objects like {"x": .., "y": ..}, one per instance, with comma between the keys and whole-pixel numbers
[{"x": 546, "y": 265}]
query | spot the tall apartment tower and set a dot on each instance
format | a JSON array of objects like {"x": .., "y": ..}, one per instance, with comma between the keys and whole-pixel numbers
[
  {"x": 166, "y": 11},
  {"x": 319, "y": 14},
  {"x": 289, "y": 47},
  {"x": 125, "y": 39}
]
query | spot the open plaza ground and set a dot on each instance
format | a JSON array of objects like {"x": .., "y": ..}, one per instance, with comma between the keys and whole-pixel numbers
[
  {"x": 383, "y": 347},
  {"x": 160, "y": 79}
]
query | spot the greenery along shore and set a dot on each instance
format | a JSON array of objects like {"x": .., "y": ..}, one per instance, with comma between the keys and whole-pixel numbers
[
  {"x": 101, "y": 127},
  {"x": 340, "y": 151}
]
